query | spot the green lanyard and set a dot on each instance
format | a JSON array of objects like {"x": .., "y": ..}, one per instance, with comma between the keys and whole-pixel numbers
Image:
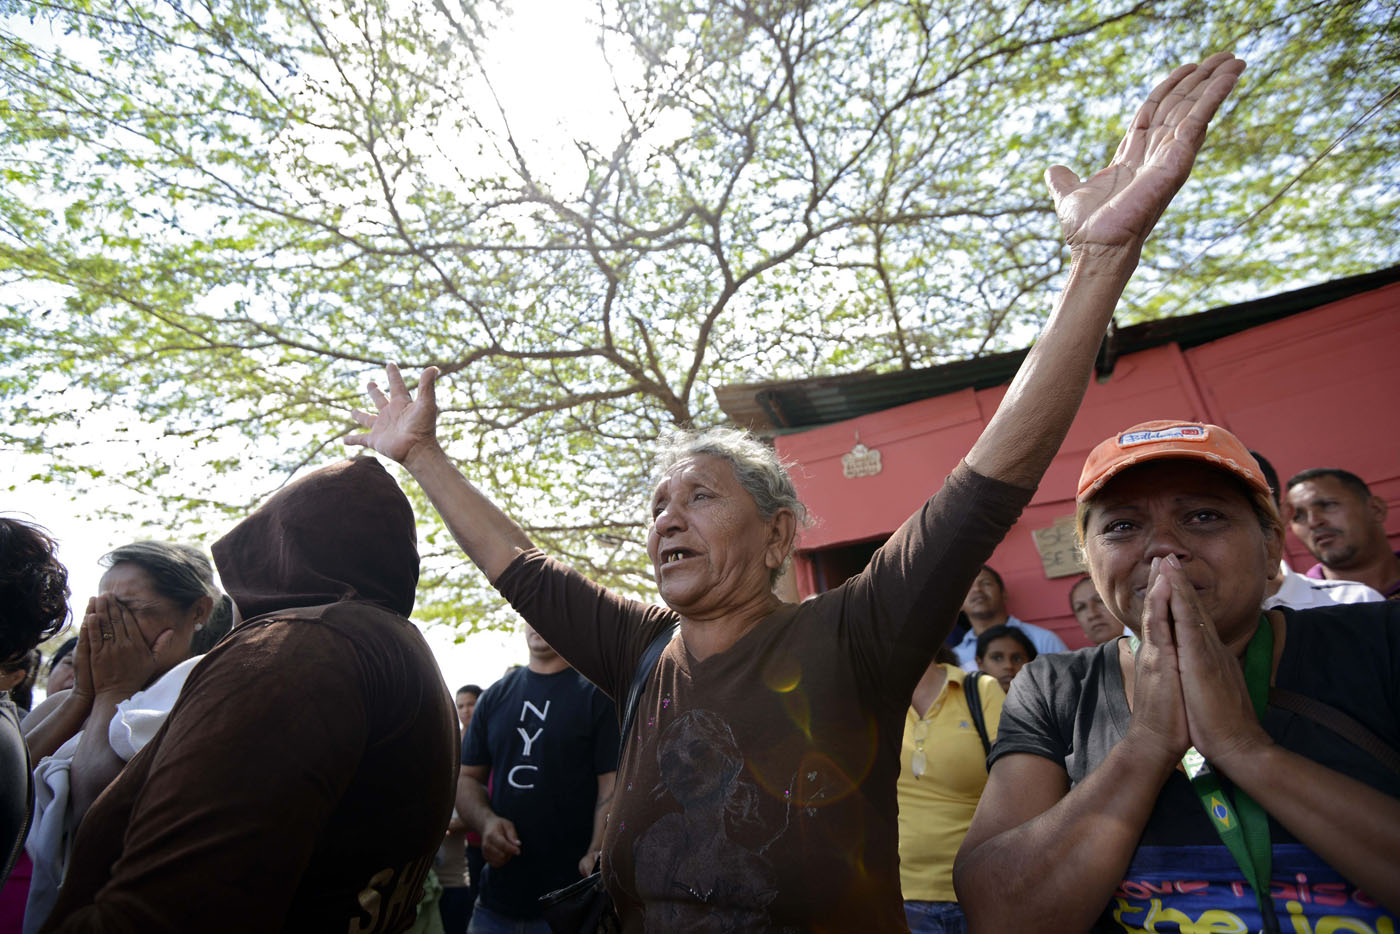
[{"x": 1243, "y": 825}]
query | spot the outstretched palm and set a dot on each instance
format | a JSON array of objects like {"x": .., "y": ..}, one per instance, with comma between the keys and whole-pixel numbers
[
  {"x": 1118, "y": 206},
  {"x": 401, "y": 422}
]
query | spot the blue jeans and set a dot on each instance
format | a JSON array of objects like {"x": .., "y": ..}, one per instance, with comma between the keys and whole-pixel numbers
[
  {"x": 935, "y": 918},
  {"x": 486, "y": 921}
]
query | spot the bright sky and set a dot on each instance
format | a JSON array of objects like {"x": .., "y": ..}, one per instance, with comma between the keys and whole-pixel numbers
[{"x": 547, "y": 110}]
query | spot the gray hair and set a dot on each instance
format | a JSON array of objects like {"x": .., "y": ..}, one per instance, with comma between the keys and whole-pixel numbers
[
  {"x": 757, "y": 466},
  {"x": 180, "y": 573}
]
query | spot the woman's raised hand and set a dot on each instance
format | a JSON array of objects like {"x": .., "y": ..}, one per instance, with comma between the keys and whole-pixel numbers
[
  {"x": 401, "y": 423},
  {"x": 405, "y": 429},
  {"x": 1116, "y": 208}
]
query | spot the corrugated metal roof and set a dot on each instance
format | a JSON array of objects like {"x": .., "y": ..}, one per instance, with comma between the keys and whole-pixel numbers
[{"x": 778, "y": 407}]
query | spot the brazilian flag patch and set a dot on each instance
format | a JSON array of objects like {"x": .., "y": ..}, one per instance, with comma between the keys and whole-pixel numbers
[{"x": 1220, "y": 812}]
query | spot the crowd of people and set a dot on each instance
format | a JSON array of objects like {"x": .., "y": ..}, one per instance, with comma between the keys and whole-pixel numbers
[
  {"x": 234, "y": 761},
  {"x": 282, "y": 754}
]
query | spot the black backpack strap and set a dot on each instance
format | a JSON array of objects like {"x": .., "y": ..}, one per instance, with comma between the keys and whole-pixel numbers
[
  {"x": 974, "y": 706},
  {"x": 1338, "y": 722},
  {"x": 585, "y": 905},
  {"x": 639, "y": 680}
]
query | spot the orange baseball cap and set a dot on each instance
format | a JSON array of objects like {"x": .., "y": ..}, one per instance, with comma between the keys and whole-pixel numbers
[{"x": 1168, "y": 438}]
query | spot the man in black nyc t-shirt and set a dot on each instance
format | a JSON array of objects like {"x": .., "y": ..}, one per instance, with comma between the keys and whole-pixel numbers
[{"x": 548, "y": 740}]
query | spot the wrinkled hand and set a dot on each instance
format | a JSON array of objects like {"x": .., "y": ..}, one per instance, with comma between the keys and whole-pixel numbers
[
  {"x": 121, "y": 661},
  {"x": 1159, "y": 710},
  {"x": 1219, "y": 715},
  {"x": 401, "y": 423},
  {"x": 499, "y": 841},
  {"x": 1117, "y": 207}
]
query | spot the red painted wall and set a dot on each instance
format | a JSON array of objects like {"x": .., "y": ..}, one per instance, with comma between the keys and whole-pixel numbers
[{"x": 1317, "y": 389}]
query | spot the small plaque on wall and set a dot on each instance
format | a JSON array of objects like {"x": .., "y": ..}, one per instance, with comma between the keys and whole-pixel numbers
[
  {"x": 860, "y": 462},
  {"x": 1059, "y": 551}
]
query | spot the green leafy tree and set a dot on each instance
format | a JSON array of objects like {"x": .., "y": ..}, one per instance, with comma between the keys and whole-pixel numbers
[{"x": 221, "y": 218}]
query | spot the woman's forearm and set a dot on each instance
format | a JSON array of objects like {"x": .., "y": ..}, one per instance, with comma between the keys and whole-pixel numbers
[
  {"x": 488, "y": 536},
  {"x": 1106, "y": 218},
  {"x": 95, "y": 764},
  {"x": 1057, "y": 870},
  {"x": 1034, "y": 416},
  {"x": 62, "y": 721},
  {"x": 1351, "y": 826}
]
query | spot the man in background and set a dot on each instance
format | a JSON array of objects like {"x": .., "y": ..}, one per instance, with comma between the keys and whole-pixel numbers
[
  {"x": 548, "y": 740},
  {"x": 1335, "y": 515},
  {"x": 1293, "y": 590},
  {"x": 985, "y": 607}
]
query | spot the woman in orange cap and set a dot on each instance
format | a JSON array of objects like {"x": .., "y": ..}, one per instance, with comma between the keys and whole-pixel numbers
[{"x": 1223, "y": 769}]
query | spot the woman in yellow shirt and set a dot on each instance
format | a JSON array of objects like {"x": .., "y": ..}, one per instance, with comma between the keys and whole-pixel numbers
[{"x": 943, "y": 768}]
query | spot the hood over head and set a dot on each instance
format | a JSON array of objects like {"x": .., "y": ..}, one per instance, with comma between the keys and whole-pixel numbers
[{"x": 345, "y": 532}]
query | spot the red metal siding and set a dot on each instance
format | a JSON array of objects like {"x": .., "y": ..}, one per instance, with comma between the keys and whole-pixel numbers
[
  {"x": 1315, "y": 389},
  {"x": 1320, "y": 389}
]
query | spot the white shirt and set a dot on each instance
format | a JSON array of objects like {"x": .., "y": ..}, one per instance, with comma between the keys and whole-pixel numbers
[{"x": 1302, "y": 593}]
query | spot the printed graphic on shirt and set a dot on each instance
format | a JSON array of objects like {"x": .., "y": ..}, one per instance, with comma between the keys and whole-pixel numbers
[
  {"x": 532, "y": 721},
  {"x": 1190, "y": 889},
  {"x": 391, "y": 897},
  {"x": 707, "y": 861}
]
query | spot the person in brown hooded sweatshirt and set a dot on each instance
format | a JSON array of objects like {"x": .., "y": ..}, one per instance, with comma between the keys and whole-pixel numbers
[{"x": 305, "y": 776}]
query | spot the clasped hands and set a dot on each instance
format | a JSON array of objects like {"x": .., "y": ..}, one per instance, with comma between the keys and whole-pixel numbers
[{"x": 1189, "y": 686}]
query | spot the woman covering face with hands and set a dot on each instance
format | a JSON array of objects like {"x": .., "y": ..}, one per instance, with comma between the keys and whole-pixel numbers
[
  {"x": 136, "y": 632},
  {"x": 151, "y": 601},
  {"x": 1165, "y": 778}
]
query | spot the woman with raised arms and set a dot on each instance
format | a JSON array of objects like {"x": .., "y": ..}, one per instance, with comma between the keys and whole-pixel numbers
[{"x": 756, "y": 790}]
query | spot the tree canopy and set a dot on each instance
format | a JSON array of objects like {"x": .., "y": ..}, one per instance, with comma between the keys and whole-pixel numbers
[{"x": 221, "y": 218}]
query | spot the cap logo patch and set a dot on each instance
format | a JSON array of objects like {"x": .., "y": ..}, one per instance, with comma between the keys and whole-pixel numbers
[{"x": 1175, "y": 433}]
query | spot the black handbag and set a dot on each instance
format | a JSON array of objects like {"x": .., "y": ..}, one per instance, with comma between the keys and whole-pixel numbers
[
  {"x": 585, "y": 907},
  {"x": 582, "y": 908}
]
